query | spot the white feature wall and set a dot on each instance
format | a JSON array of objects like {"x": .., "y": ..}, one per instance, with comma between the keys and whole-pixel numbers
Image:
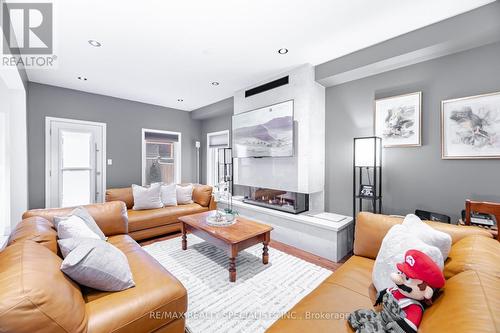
[
  {"x": 18, "y": 157},
  {"x": 304, "y": 172},
  {"x": 4, "y": 161},
  {"x": 13, "y": 155}
]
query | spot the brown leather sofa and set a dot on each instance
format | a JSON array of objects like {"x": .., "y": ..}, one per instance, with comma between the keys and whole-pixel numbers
[
  {"x": 35, "y": 296},
  {"x": 143, "y": 224},
  {"x": 470, "y": 300}
]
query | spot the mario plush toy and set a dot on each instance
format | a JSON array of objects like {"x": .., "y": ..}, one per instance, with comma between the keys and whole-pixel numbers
[{"x": 403, "y": 305}]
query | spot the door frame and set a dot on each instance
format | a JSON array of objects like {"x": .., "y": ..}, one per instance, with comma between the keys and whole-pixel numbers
[
  {"x": 48, "y": 152},
  {"x": 177, "y": 152}
]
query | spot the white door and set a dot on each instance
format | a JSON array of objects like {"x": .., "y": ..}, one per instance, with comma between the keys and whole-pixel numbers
[{"x": 75, "y": 155}]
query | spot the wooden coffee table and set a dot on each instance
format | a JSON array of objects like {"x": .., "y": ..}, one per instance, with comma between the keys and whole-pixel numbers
[{"x": 233, "y": 239}]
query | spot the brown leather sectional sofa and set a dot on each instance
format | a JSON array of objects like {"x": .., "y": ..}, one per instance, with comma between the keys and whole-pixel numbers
[
  {"x": 35, "y": 296},
  {"x": 143, "y": 224},
  {"x": 470, "y": 300}
]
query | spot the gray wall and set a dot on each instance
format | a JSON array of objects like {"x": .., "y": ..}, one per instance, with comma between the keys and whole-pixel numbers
[
  {"x": 413, "y": 177},
  {"x": 216, "y": 124},
  {"x": 124, "y": 120},
  {"x": 466, "y": 31}
]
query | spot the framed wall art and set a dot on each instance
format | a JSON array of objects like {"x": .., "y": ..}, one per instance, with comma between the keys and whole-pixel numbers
[
  {"x": 470, "y": 127},
  {"x": 398, "y": 120}
]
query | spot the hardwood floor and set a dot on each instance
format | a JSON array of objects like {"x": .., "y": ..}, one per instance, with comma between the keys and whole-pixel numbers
[{"x": 307, "y": 256}]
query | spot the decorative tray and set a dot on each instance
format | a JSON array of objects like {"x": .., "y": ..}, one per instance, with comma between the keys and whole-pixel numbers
[{"x": 219, "y": 222}]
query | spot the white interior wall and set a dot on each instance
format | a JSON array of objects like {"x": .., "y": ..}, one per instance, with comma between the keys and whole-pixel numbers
[
  {"x": 19, "y": 156},
  {"x": 4, "y": 160},
  {"x": 15, "y": 155},
  {"x": 303, "y": 172}
]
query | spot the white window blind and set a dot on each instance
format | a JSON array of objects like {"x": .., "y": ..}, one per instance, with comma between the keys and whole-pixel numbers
[{"x": 218, "y": 140}]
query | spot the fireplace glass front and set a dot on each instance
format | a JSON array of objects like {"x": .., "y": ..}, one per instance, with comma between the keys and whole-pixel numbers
[{"x": 290, "y": 202}]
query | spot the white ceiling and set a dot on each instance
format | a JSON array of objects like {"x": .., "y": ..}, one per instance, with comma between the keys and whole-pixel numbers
[{"x": 159, "y": 51}]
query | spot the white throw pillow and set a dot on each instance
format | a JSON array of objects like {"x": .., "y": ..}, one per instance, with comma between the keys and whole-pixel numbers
[
  {"x": 169, "y": 195},
  {"x": 74, "y": 227},
  {"x": 428, "y": 234},
  {"x": 147, "y": 197},
  {"x": 394, "y": 246},
  {"x": 184, "y": 194},
  {"x": 82, "y": 213},
  {"x": 95, "y": 263}
]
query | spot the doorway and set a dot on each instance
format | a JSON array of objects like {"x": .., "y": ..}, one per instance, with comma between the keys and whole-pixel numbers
[{"x": 75, "y": 155}]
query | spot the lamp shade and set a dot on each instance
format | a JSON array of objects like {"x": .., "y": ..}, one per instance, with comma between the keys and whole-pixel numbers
[{"x": 367, "y": 151}]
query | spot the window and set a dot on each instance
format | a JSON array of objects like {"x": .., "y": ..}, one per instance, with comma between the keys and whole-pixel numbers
[
  {"x": 76, "y": 168},
  {"x": 215, "y": 141},
  {"x": 161, "y": 151}
]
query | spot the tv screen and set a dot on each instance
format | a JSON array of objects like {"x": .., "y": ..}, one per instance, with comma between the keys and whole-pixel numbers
[{"x": 265, "y": 132}]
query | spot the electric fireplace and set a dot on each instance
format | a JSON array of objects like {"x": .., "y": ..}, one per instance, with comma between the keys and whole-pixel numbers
[{"x": 290, "y": 202}]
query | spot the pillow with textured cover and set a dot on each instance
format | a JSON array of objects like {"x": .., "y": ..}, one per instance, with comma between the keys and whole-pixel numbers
[
  {"x": 82, "y": 213},
  {"x": 74, "y": 227},
  {"x": 428, "y": 234},
  {"x": 95, "y": 263},
  {"x": 147, "y": 197},
  {"x": 169, "y": 195},
  {"x": 394, "y": 245},
  {"x": 185, "y": 194}
]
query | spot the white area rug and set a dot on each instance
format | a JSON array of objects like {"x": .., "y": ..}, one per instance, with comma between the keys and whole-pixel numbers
[{"x": 260, "y": 295}]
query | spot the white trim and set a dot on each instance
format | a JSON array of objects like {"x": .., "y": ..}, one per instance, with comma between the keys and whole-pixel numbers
[
  {"x": 209, "y": 166},
  {"x": 5, "y": 179},
  {"x": 303, "y": 218},
  {"x": 48, "y": 121},
  {"x": 177, "y": 154}
]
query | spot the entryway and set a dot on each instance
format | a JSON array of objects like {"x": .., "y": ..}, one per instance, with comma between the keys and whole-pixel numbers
[{"x": 75, "y": 155}]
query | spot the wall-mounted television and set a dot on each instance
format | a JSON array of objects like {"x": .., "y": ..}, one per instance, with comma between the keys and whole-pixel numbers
[{"x": 265, "y": 132}]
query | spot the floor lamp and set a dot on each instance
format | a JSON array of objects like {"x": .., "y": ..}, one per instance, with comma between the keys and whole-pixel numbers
[
  {"x": 367, "y": 174},
  {"x": 197, "y": 145}
]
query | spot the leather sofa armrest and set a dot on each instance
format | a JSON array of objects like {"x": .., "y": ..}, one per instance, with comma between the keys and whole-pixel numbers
[
  {"x": 370, "y": 230},
  {"x": 111, "y": 216}
]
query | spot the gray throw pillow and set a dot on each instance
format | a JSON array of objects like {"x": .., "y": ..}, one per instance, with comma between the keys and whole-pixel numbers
[
  {"x": 82, "y": 213},
  {"x": 95, "y": 263},
  {"x": 185, "y": 194},
  {"x": 147, "y": 197},
  {"x": 169, "y": 195}
]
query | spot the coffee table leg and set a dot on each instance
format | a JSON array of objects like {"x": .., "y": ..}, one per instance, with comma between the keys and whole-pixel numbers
[
  {"x": 232, "y": 269},
  {"x": 265, "y": 250},
  {"x": 233, "y": 253},
  {"x": 265, "y": 255},
  {"x": 184, "y": 238}
]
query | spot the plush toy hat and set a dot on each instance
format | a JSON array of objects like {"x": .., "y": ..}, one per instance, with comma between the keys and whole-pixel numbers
[{"x": 418, "y": 265}]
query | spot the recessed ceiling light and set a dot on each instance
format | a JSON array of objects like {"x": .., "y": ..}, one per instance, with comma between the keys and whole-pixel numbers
[
  {"x": 180, "y": 100},
  {"x": 82, "y": 78},
  {"x": 215, "y": 83},
  {"x": 94, "y": 43},
  {"x": 283, "y": 51}
]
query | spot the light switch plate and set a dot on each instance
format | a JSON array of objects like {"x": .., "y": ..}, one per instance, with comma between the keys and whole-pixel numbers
[{"x": 110, "y": 161}]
